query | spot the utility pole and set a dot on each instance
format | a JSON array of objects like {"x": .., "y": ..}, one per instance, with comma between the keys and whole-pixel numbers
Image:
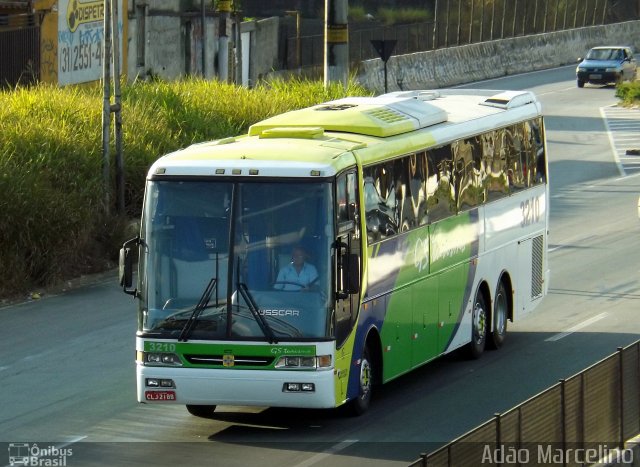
[
  {"x": 116, "y": 108},
  {"x": 203, "y": 22},
  {"x": 297, "y": 15},
  {"x": 336, "y": 42},
  {"x": 238, "y": 46},
  {"x": 224, "y": 8},
  {"x": 106, "y": 106},
  {"x": 111, "y": 51}
]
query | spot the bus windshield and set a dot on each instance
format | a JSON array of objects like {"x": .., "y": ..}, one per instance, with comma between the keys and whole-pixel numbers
[{"x": 236, "y": 260}]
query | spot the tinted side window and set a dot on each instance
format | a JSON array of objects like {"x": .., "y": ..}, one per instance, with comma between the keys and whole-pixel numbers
[
  {"x": 467, "y": 156},
  {"x": 381, "y": 208},
  {"x": 441, "y": 195},
  {"x": 417, "y": 196},
  {"x": 513, "y": 142},
  {"x": 538, "y": 164},
  {"x": 494, "y": 162},
  {"x": 342, "y": 200}
]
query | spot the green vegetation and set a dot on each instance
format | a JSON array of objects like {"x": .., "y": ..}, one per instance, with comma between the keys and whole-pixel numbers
[
  {"x": 51, "y": 195},
  {"x": 629, "y": 93},
  {"x": 390, "y": 16}
]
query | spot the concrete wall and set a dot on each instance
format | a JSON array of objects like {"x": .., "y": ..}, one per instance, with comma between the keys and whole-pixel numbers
[
  {"x": 169, "y": 33},
  {"x": 492, "y": 59},
  {"x": 264, "y": 48}
]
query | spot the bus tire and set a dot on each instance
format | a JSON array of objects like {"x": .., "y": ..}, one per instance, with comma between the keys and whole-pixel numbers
[
  {"x": 478, "y": 326},
  {"x": 361, "y": 404},
  {"x": 500, "y": 316},
  {"x": 202, "y": 411}
]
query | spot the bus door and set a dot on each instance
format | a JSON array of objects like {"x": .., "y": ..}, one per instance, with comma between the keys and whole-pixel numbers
[{"x": 347, "y": 256}]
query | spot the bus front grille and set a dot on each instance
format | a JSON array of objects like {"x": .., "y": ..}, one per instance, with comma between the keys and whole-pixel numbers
[{"x": 220, "y": 360}]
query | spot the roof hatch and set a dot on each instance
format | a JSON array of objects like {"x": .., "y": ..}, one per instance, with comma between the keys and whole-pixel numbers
[{"x": 509, "y": 99}]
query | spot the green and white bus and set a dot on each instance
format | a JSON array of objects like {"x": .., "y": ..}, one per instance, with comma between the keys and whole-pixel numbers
[{"x": 424, "y": 215}]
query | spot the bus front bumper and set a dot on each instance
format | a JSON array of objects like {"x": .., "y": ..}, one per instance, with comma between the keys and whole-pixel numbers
[{"x": 265, "y": 388}]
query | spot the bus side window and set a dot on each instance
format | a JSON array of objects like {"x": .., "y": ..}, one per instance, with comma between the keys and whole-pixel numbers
[
  {"x": 352, "y": 201},
  {"x": 440, "y": 185},
  {"x": 494, "y": 155},
  {"x": 342, "y": 201},
  {"x": 417, "y": 193},
  {"x": 381, "y": 209},
  {"x": 467, "y": 174},
  {"x": 516, "y": 158},
  {"x": 347, "y": 201},
  {"x": 537, "y": 156}
]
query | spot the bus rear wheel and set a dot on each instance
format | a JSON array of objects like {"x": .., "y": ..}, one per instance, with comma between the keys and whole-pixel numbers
[
  {"x": 478, "y": 326},
  {"x": 202, "y": 411},
  {"x": 500, "y": 316},
  {"x": 360, "y": 404}
]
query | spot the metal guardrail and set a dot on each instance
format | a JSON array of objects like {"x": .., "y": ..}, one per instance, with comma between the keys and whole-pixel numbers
[{"x": 577, "y": 421}]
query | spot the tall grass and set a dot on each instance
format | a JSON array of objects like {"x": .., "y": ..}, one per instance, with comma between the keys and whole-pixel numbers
[{"x": 52, "y": 221}]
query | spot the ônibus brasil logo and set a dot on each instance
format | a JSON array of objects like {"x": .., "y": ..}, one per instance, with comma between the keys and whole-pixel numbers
[{"x": 30, "y": 454}]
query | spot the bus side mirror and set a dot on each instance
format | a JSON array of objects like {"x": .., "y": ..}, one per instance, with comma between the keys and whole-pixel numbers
[{"x": 125, "y": 267}]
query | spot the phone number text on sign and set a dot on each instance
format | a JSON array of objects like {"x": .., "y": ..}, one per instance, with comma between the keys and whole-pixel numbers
[{"x": 80, "y": 57}]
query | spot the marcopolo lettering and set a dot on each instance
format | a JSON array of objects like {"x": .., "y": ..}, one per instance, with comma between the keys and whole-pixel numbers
[{"x": 280, "y": 312}]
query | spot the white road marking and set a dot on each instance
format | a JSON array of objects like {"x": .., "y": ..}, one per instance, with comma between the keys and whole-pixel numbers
[
  {"x": 577, "y": 327},
  {"x": 612, "y": 143}
]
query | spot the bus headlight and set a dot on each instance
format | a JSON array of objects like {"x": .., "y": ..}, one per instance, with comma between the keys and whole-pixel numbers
[
  {"x": 160, "y": 359},
  {"x": 303, "y": 363}
]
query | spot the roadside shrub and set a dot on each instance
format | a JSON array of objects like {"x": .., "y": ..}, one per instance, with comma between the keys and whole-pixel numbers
[
  {"x": 53, "y": 221},
  {"x": 629, "y": 93},
  {"x": 390, "y": 16}
]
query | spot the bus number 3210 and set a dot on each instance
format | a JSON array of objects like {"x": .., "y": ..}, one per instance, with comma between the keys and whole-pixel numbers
[{"x": 530, "y": 209}]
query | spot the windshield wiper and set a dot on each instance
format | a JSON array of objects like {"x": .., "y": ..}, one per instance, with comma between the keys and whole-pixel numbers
[
  {"x": 255, "y": 311},
  {"x": 201, "y": 305}
]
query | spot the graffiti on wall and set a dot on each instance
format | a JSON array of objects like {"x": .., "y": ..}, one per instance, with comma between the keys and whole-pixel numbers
[{"x": 48, "y": 61}]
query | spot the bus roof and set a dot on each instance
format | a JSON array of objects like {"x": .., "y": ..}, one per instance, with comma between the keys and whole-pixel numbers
[{"x": 324, "y": 139}]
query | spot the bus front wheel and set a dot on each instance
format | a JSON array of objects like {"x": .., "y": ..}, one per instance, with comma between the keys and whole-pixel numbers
[
  {"x": 202, "y": 411},
  {"x": 360, "y": 404}
]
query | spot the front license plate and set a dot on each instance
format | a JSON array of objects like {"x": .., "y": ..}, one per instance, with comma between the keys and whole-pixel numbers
[
  {"x": 595, "y": 76},
  {"x": 160, "y": 395}
]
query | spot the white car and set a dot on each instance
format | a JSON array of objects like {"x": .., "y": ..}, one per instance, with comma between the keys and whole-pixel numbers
[{"x": 607, "y": 64}]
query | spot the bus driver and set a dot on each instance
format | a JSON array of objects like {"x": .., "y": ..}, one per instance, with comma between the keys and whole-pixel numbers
[{"x": 298, "y": 274}]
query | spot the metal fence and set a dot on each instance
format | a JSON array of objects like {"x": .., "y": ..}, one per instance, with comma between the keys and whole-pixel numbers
[
  {"x": 461, "y": 22},
  {"x": 19, "y": 50},
  {"x": 588, "y": 415}
]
